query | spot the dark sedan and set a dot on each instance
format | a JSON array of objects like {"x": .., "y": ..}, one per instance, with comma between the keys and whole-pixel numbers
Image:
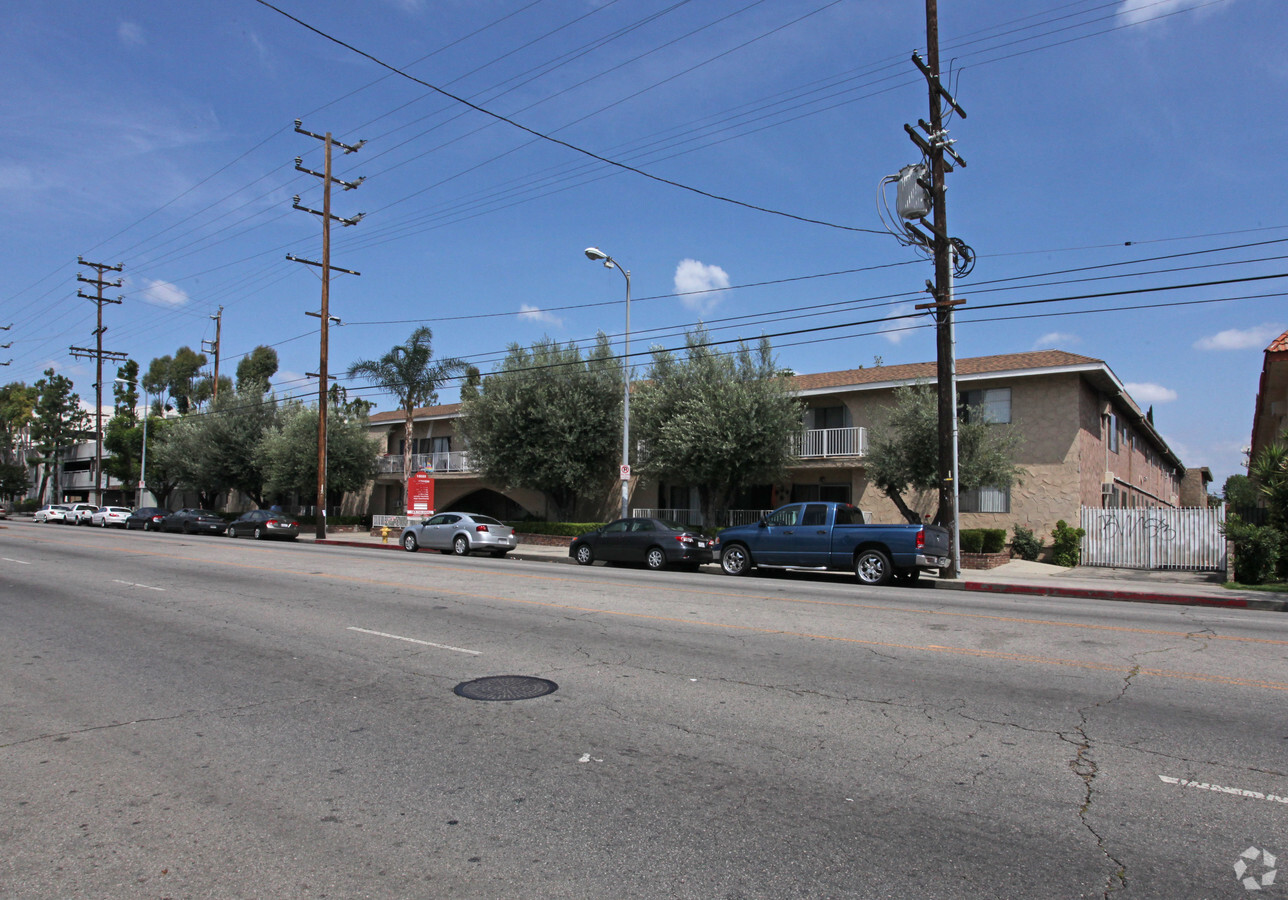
[
  {"x": 194, "y": 521},
  {"x": 264, "y": 523},
  {"x": 654, "y": 542},
  {"x": 148, "y": 518}
]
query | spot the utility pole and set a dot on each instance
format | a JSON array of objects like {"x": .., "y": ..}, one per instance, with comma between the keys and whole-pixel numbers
[
  {"x": 214, "y": 348},
  {"x": 98, "y": 353},
  {"x": 935, "y": 146},
  {"x": 325, "y": 314}
]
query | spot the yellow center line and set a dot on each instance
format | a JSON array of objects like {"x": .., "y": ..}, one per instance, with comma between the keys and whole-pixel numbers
[{"x": 752, "y": 629}]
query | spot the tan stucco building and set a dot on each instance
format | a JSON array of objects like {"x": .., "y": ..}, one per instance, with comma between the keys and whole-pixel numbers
[{"x": 1085, "y": 443}]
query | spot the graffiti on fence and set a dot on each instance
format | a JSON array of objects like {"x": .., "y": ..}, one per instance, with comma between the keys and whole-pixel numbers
[{"x": 1145, "y": 526}]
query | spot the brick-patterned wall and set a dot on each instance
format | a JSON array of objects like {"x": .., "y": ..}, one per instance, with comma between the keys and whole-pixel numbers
[{"x": 984, "y": 560}]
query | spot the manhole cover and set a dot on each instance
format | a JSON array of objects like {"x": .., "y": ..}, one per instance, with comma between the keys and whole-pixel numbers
[{"x": 505, "y": 687}]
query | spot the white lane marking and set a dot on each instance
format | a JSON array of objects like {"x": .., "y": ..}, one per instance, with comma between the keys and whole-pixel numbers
[
  {"x": 1238, "y": 792},
  {"x": 398, "y": 637},
  {"x": 586, "y": 757},
  {"x": 133, "y": 584},
  {"x": 18, "y": 561}
]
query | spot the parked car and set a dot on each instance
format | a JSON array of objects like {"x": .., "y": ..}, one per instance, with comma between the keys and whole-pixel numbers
[
  {"x": 460, "y": 533},
  {"x": 264, "y": 523},
  {"x": 654, "y": 542},
  {"x": 194, "y": 521},
  {"x": 110, "y": 515},
  {"x": 80, "y": 513},
  {"x": 833, "y": 536},
  {"x": 147, "y": 518},
  {"x": 52, "y": 512}
]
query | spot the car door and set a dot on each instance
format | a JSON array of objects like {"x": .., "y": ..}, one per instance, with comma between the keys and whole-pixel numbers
[
  {"x": 611, "y": 546},
  {"x": 643, "y": 534},
  {"x": 773, "y": 539},
  {"x": 438, "y": 531},
  {"x": 810, "y": 541}
]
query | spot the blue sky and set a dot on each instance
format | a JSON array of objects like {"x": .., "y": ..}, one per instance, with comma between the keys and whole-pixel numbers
[{"x": 1113, "y": 148}]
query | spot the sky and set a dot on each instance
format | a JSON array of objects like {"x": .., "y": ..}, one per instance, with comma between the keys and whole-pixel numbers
[{"x": 730, "y": 154}]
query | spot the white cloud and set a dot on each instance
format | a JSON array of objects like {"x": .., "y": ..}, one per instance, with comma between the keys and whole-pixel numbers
[
  {"x": 1257, "y": 337},
  {"x": 163, "y": 293},
  {"x": 130, "y": 34},
  {"x": 1053, "y": 340},
  {"x": 1135, "y": 11},
  {"x": 537, "y": 314},
  {"x": 701, "y": 286},
  {"x": 1149, "y": 393},
  {"x": 899, "y": 324}
]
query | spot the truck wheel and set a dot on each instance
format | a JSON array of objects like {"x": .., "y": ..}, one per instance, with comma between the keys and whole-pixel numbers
[
  {"x": 872, "y": 567},
  {"x": 735, "y": 560}
]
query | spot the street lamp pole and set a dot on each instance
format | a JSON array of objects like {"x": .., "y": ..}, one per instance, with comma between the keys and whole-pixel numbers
[{"x": 595, "y": 254}]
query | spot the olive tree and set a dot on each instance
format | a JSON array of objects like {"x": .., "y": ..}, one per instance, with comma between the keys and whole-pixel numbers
[
  {"x": 906, "y": 458},
  {"x": 719, "y": 421},
  {"x": 549, "y": 420}
]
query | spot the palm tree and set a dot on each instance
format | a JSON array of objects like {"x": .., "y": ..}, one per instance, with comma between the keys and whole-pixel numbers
[{"x": 409, "y": 372}]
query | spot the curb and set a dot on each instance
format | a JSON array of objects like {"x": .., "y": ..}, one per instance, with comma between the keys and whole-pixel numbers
[
  {"x": 1278, "y": 604},
  {"x": 1234, "y": 602}
]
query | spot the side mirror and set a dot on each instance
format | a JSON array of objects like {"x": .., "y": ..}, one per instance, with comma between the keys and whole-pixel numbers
[
  {"x": 425, "y": 521},
  {"x": 762, "y": 524}
]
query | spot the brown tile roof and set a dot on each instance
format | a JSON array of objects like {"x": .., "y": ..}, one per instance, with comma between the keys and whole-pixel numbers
[
  {"x": 978, "y": 365},
  {"x": 396, "y": 415},
  {"x": 1279, "y": 344}
]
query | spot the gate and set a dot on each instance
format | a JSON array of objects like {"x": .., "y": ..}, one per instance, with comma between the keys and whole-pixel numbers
[{"x": 1154, "y": 538}]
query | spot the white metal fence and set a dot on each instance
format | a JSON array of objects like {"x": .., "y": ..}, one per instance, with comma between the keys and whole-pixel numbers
[{"x": 1154, "y": 538}]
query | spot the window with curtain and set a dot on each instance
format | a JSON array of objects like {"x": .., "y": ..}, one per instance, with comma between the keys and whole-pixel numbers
[
  {"x": 985, "y": 500},
  {"x": 990, "y": 405}
]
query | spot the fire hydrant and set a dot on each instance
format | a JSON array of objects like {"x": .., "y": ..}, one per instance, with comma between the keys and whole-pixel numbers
[{"x": 384, "y": 534}]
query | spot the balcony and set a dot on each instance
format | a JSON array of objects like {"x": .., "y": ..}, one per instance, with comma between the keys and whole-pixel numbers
[
  {"x": 825, "y": 443},
  {"x": 434, "y": 463}
]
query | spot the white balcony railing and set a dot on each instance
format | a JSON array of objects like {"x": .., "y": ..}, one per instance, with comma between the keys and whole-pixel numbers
[
  {"x": 821, "y": 443},
  {"x": 447, "y": 461}
]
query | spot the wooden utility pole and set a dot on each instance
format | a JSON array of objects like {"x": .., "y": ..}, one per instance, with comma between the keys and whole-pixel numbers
[
  {"x": 325, "y": 314},
  {"x": 936, "y": 145},
  {"x": 98, "y": 353},
  {"x": 214, "y": 348}
]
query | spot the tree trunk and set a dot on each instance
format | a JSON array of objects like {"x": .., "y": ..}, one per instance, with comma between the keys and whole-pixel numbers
[
  {"x": 909, "y": 515},
  {"x": 408, "y": 425}
]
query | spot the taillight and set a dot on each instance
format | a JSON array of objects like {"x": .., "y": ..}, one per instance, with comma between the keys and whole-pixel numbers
[
  {"x": 481, "y": 529},
  {"x": 270, "y": 523},
  {"x": 921, "y": 538},
  {"x": 684, "y": 538}
]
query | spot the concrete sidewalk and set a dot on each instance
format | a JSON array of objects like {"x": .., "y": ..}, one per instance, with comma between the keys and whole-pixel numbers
[{"x": 1015, "y": 577}]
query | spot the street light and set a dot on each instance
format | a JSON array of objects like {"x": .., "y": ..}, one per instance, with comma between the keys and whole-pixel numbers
[
  {"x": 594, "y": 254},
  {"x": 143, "y": 461}
]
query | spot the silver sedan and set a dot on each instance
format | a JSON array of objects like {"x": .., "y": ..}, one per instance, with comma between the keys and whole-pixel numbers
[{"x": 460, "y": 533}]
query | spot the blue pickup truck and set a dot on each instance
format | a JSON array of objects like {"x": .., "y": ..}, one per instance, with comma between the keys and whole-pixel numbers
[{"x": 833, "y": 536}]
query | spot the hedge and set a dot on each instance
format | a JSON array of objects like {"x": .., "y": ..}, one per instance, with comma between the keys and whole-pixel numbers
[{"x": 983, "y": 540}]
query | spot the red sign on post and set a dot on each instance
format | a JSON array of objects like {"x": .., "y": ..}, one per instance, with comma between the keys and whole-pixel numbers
[{"x": 420, "y": 494}]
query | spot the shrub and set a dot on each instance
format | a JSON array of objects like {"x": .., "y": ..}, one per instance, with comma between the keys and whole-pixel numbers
[
  {"x": 31, "y": 504},
  {"x": 1067, "y": 549},
  {"x": 1258, "y": 550},
  {"x": 1027, "y": 545},
  {"x": 972, "y": 540},
  {"x": 994, "y": 540}
]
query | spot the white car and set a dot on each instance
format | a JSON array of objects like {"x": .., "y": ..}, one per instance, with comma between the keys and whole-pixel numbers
[
  {"x": 110, "y": 515},
  {"x": 79, "y": 513},
  {"x": 52, "y": 512}
]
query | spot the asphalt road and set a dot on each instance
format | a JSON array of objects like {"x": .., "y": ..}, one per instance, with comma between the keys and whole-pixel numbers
[{"x": 201, "y": 717}]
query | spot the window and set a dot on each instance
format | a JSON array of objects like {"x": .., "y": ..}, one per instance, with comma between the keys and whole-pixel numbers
[
  {"x": 440, "y": 445},
  {"x": 618, "y": 527},
  {"x": 1111, "y": 432},
  {"x": 815, "y": 514},
  {"x": 829, "y": 416},
  {"x": 788, "y": 515},
  {"x": 986, "y": 500},
  {"x": 848, "y": 515},
  {"x": 991, "y": 405}
]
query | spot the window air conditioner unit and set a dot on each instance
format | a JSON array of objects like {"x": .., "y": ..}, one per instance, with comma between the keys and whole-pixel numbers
[{"x": 1107, "y": 486}]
